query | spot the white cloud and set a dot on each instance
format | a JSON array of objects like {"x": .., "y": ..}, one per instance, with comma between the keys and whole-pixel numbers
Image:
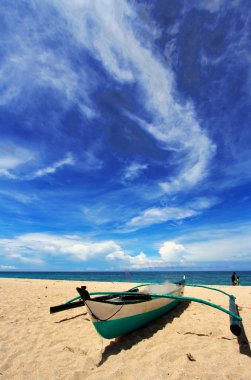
[
  {"x": 170, "y": 254},
  {"x": 227, "y": 245},
  {"x": 7, "y": 267},
  {"x": 219, "y": 245},
  {"x": 139, "y": 261},
  {"x": 171, "y": 251},
  {"x": 34, "y": 247},
  {"x": 142, "y": 261},
  {"x": 31, "y": 248},
  {"x": 87, "y": 250},
  {"x": 25, "y": 259}
]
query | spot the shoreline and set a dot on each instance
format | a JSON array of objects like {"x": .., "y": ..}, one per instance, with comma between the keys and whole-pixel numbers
[
  {"x": 245, "y": 277},
  {"x": 37, "y": 345},
  {"x": 209, "y": 278}
]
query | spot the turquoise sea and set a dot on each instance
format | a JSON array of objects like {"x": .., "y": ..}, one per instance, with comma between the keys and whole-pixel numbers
[{"x": 195, "y": 277}]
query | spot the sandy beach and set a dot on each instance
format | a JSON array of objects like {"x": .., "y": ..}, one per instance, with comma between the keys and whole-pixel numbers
[{"x": 37, "y": 345}]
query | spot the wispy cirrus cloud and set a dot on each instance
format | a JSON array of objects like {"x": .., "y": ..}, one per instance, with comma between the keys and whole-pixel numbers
[
  {"x": 133, "y": 120},
  {"x": 34, "y": 61},
  {"x": 133, "y": 170},
  {"x": 156, "y": 215},
  {"x": 19, "y": 196},
  {"x": 68, "y": 160},
  {"x": 38, "y": 60},
  {"x": 13, "y": 157},
  {"x": 213, "y": 5},
  {"x": 107, "y": 31}
]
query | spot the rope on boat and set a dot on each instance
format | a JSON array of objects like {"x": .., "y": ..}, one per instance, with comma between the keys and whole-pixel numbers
[{"x": 103, "y": 320}]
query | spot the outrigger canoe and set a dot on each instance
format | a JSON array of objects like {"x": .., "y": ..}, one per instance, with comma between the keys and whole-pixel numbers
[{"x": 114, "y": 314}]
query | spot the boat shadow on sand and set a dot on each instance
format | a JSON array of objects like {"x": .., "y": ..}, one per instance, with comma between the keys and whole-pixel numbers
[
  {"x": 242, "y": 339},
  {"x": 129, "y": 340},
  {"x": 243, "y": 342}
]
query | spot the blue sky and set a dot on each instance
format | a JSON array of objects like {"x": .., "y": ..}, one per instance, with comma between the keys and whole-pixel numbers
[{"x": 125, "y": 135}]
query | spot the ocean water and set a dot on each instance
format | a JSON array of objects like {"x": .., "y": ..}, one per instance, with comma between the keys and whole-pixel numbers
[{"x": 204, "y": 278}]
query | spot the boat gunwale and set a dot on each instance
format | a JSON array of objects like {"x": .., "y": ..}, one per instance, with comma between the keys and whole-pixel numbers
[{"x": 130, "y": 302}]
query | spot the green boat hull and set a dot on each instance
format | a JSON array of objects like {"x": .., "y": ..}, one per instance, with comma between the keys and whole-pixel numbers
[{"x": 117, "y": 327}]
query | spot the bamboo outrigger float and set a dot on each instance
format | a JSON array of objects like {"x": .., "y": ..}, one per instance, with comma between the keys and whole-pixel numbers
[{"x": 114, "y": 314}]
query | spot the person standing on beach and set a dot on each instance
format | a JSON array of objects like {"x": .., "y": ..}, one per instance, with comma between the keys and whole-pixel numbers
[
  {"x": 237, "y": 282},
  {"x": 234, "y": 278}
]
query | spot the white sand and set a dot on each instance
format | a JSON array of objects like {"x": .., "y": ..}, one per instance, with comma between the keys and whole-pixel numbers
[{"x": 38, "y": 346}]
